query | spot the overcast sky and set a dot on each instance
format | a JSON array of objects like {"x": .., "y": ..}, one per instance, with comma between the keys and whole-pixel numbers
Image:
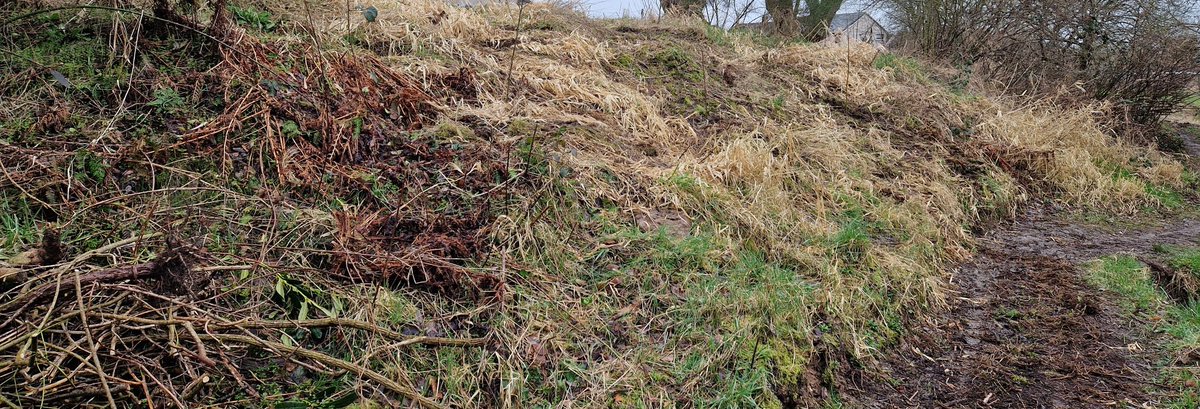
[{"x": 616, "y": 8}]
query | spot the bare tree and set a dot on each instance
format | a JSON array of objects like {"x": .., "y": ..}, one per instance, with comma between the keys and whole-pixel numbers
[
  {"x": 809, "y": 19},
  {"x": 1140, "y": 54},
  {"x": 729, "y": 13}
]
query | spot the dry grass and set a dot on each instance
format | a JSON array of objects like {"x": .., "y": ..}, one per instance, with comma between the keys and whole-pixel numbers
[{"x": 669, "y": 214}]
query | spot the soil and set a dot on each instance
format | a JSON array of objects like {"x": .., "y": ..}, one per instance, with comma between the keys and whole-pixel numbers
[{"x": 1025, "y": 330}]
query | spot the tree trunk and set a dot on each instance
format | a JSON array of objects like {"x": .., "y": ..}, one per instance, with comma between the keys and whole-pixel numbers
[
  {"x": 820, "y": 13},
  {"x": 783, "y": 16}
]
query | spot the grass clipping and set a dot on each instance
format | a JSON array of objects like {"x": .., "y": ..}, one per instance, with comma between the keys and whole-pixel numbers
[{"x": 304, "y": 210}]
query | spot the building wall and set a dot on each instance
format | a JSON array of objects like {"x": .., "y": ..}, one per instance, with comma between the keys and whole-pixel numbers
[{"x": 867, "y": 31}]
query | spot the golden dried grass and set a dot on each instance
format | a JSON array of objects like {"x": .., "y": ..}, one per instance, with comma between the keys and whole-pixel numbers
[{"x": 783, "y": 185}]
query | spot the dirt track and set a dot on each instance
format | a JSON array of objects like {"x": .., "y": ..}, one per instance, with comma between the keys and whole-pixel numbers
[{"x": 1025, "y": 330}]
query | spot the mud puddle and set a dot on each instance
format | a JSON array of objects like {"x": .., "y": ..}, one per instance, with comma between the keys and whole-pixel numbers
[{"x": 1025, "y": 330}]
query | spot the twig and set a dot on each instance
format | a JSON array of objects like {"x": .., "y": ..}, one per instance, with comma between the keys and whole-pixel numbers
[
  {"x": 22, "y": 188},
  {"x": 95, "y": 352},
  {"x": 8, "y": 403},
  {"x": 383, "y": 380},
  {"x": 26, "y": 336},
  {"x": 82, "y": 392},
  {"x": 115, "y": 273},
  {"x": 133, "y": 68},
  {"x": 107, "y": 248},
  {"x": 170, "y": 391},
  {"x": 512, "y": 56},
  {"x": 200, "y": 351},
  {"x": 313, "y": 323}
]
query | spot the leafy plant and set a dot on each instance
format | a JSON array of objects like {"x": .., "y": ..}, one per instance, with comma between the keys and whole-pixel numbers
[
  {"x": 88, "y": 166},
  {"x": 166, "y": 100},
  {"x": 251, "y": 17},
  {"x": 299, "y": 299}
]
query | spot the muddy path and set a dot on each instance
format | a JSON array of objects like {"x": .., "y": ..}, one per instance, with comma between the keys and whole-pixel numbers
[{"x": 1024, "y": 329}]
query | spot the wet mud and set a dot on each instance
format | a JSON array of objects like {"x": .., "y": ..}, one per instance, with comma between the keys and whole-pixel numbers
[{"x": 1024, "y": 329}]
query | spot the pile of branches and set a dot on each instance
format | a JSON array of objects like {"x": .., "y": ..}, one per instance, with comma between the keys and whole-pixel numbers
[
  {"x": 158, "y": 315},
  {"x": 329, "y": 122},
  {"x": 75, "y": 333}
]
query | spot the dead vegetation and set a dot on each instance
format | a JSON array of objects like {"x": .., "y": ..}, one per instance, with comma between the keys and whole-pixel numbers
[{"x": 334, "y": 211}]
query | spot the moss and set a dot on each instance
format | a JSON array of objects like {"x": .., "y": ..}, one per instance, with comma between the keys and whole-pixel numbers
[
  {"x": 676, "y": 62},
  {"x": 453, "y": 132},
  {"x": 625, "y": 61}
]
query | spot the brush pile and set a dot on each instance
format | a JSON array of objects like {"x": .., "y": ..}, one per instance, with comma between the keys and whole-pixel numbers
[
  {"x": 197, "y": 261},
  {"x": 291, "y": 208}
]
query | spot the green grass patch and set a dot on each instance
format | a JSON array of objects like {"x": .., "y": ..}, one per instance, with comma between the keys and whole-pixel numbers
[
  {"x": 1192, "y": 101},
  {"x": 718, "y": 36},
  {"x": 1182, "y": 258},
  {"x": 903, "y": 65},
  {"x": 1165, "y": 196},
  {"x": 1130, "y": 279},
  {"x": 17, "y": 228}
]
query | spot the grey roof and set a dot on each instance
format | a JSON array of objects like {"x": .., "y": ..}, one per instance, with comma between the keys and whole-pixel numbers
[{"x": 841, "y": 21}]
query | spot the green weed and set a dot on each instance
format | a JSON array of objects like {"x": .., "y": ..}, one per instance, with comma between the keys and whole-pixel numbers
[
  {"x": 853, "y": 239},
  {"x": 1165, "y": 196},
  {"x": 166, "y": 100},
  {"x": 251, "y": 17},
  {"x": 87, "y": 166},
  {"x": 16, "y": 223}
]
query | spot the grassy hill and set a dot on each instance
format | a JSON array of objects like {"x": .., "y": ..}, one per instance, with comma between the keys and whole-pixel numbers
[{"x": 299, "y": 207}]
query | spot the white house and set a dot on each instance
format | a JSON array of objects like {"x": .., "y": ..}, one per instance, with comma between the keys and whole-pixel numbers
[{"x": 859, "y": 27}]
